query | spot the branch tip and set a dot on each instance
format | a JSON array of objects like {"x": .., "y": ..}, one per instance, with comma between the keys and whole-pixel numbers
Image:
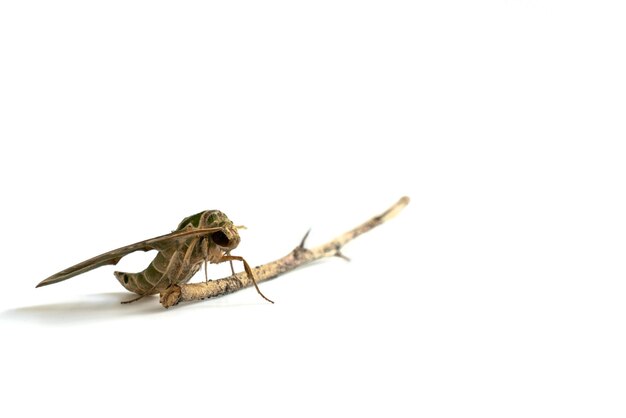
[{"x": 395, "y": 209}]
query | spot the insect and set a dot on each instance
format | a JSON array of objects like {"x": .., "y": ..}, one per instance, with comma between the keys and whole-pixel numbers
[{"x": 206, "y": 237}]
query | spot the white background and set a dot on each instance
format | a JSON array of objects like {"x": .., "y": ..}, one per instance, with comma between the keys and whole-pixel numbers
[{"x": 498, "y": 292}]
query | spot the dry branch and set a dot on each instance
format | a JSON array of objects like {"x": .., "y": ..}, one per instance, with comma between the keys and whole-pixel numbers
[{"x": 296, "y": 258}]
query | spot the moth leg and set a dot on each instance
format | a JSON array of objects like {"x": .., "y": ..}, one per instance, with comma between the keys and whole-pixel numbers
[
  {"x": 205, "y": 254},
  {"x": 232, "y": 269},
  {"x": 246, "y": 266},
  {"x": 126, "y": 302}
]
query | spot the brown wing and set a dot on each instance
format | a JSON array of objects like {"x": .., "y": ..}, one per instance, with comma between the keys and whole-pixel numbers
[{"x": 113, "y": 257}]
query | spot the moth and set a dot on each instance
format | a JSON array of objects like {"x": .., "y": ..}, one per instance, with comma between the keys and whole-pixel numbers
[{"x": 206, "y": 237}]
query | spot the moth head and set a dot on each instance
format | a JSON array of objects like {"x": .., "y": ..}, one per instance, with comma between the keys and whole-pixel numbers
[{"x": 227, "y": 238}]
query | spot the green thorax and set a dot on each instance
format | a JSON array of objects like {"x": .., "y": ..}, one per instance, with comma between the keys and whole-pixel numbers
[{"x": 205, "y": 219}]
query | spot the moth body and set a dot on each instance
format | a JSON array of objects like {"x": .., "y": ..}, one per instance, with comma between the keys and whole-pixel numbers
[{"x": 207, "y": 236}]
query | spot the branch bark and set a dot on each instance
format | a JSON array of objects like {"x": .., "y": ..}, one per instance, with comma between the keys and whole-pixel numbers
[{"x": 296, "y": 258}]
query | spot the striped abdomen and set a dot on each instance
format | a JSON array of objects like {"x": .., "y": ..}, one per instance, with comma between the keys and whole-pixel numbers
[{"x": 174, "y": 265}]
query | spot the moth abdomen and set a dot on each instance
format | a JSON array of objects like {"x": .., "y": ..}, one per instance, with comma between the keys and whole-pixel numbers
[{"x": 134, "y": 282}]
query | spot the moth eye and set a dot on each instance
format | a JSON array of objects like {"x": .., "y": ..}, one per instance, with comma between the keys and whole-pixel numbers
[{"x": 220, "y": 239}]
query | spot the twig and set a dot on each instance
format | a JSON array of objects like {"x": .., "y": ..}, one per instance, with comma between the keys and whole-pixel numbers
[{"x": 296, "y": 258}]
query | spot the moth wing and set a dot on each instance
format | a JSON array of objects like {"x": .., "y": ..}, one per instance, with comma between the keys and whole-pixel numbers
[{"x": 114, "y": 256}]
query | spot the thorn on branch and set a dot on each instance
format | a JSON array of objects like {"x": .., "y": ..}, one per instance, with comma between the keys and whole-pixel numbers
[
  {"x": 340, "y": 255},
  {"x": 300, "y": 249},
  {"x": 301, "y": 246}
]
